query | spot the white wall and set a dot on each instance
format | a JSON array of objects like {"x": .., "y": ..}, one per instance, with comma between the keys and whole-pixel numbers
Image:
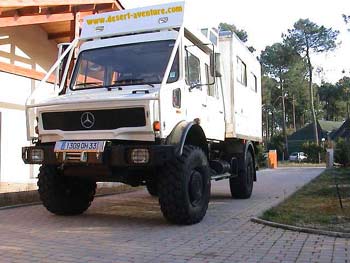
[{"x": 28, "y": 47}]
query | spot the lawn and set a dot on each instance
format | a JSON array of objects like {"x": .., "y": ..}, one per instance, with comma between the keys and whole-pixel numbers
[{"x": 316, "y": 205}]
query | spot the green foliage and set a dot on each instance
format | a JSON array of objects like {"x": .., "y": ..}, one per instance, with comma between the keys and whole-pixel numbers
[
  {"x": 307, "y": 36},
  {"x": 313, "y": 151},
  {"x": 259, "y": 150},
  {"x": 251, "y": 49},
  {"x": 331, "y": 96},
  {"x": 316, "y": 204},
  {"x": 342, "y": 152},
  {"x": 346, "y": 20},
  {"x": 268, "y": 85},
  {"x": 276, "y": 60},
  {"x": 277, "y": 143},
  {"x": 241, "y": 33}
]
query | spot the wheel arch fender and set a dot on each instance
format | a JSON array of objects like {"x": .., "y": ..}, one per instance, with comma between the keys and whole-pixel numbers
[{"x": 187, "y": 133}]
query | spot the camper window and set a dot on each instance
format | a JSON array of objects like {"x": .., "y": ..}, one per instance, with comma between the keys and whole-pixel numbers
[{"x": 241, "y": 72}]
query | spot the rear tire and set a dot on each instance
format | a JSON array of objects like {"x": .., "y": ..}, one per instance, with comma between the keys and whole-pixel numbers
[
  {"x": 242, "y": 186},
  {"x": 184, "y": 187},
  {"x": 64, "y": 195}
]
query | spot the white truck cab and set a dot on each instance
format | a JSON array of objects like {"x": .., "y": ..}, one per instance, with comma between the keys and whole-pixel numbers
[{"x": 148, "y": 102}]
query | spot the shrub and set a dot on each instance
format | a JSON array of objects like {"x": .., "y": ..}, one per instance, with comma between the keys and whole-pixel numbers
[
  {"x": 261, "y": 159},
  {"x": 313, "y": 151},
  {"x": 342, "y": 152}
]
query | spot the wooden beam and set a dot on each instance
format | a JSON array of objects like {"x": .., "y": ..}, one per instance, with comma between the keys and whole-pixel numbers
[
  {"x": 34, "y": 19},
  {"x": 30, "y": 10},
  {"x": 104, "y": 6},
  {"x": 21, "y": 3},
  {"x": 84, "y": 8},
  {"x": 53, "y": 36},
  {"x": 59, "y": 9},
  {"x": 15, "y": 57},
  {"x": 11, "y": 106},
  {"x": 24, "y": 72}
]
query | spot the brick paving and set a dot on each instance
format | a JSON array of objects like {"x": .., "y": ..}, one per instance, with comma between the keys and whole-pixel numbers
[{"x": 130, "y": 228}]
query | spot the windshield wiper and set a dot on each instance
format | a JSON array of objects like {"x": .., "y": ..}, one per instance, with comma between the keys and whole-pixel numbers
[
  {"x": 93, "y": 84},
  {"x": 127, "y": 81}
]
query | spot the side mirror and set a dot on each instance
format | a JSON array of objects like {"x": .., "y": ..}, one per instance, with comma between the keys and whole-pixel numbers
[
  {"x": 195, "y": 86},
  {"x": 212, "y": 64},
  {"x": 217, "y": 65}
]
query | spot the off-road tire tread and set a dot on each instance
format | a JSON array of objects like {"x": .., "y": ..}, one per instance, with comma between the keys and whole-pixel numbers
[
  {"x": 238, "y": 184},
  {"x": 53, "y": 192},
  {"x": 172, "y": 198},
  {"x": 152, "y": 187}
]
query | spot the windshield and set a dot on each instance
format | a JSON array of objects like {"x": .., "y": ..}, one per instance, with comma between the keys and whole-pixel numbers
[{"x": 132, "y": 64}]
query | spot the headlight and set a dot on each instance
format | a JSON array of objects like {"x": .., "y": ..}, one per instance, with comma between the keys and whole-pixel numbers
[{"x": 32, "y": 155}]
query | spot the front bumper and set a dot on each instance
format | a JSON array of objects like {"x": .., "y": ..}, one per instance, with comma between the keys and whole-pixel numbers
[{"x": 113, "y": 156}]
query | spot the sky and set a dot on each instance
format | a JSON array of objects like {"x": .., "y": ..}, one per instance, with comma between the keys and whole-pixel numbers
[{"x": 266, "y": 20}]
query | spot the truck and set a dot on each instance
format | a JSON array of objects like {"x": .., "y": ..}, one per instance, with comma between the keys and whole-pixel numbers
[{"x": 142, "y": 99}]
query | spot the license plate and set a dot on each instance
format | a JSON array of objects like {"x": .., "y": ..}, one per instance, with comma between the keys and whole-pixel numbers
[{"x": 80, "y": 146}]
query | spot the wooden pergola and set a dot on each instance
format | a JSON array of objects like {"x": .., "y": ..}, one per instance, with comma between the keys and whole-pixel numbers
[{"x": 59, "y": 18}]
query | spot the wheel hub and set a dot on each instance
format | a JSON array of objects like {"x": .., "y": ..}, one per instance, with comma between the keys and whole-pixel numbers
[{"x": 196, "y": 188}]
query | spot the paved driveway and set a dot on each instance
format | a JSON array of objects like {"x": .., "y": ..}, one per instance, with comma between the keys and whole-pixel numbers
[{"x": 130, "y": 228}]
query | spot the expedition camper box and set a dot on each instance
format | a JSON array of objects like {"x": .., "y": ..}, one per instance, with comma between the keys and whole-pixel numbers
[{"x": 142, "y": 99}]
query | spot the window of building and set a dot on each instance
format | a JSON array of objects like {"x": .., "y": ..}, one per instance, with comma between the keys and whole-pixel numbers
[
  {"x": 193, "y": 70},
  {"x": 241, "y": 72}
]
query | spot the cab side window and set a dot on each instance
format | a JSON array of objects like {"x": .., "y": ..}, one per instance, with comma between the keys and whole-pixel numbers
[{"x": 193, "y": 70}]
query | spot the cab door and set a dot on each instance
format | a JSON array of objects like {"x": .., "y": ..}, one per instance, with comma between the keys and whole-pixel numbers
[
  {"x": 215, "y": 109},
  {"x": 195, "y": 91}
]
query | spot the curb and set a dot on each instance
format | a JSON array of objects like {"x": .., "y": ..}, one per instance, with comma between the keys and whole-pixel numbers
[
  {"x": 300, "y": 229},
  {"x": 29, "y": 198}
]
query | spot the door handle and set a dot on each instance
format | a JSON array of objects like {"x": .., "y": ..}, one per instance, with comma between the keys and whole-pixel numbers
[
  {"x": 204, "y": 105},
  {"x": 221, "y": 112}
]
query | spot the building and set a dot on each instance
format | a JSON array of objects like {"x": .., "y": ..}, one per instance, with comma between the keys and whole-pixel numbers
[
  {"x": 343, "y": 132},
  {"x": 325, "y": 130},
  {"x": 29, "y": 33}
]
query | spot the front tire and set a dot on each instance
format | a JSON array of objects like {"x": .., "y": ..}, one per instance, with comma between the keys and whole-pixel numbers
[
  {"x": 64, "y": 195},
  {"x": 184, "y": 187},
  {"x": 242, "y": 186},
  {"x": 152, "y": 186}
]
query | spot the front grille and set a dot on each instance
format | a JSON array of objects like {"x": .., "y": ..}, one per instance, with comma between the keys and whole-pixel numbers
[{"x": 94, "y": 119}]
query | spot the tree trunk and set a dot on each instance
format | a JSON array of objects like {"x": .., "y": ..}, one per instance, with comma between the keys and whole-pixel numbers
[
  {"x": 284, "y": 121},
  {"x": 267, "y": 125},
  {"x": 272, "y": 124},
  {"x": 312, "y": 97},
  {"x": 294, "y": 123}
]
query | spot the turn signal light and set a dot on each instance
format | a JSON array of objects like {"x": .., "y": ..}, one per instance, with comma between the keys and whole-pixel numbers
[{"x": 156, "y": 126}]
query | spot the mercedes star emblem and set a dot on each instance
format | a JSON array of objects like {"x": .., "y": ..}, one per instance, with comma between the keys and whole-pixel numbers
[{"x": 87, "y": 120}]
